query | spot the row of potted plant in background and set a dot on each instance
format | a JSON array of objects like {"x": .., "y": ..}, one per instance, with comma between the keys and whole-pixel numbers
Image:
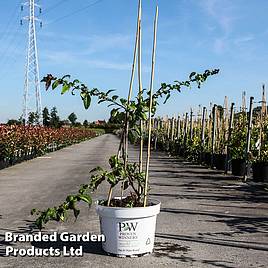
[
  {"x": 19, "y": 143},
  {"x": 223, "y": 146}
]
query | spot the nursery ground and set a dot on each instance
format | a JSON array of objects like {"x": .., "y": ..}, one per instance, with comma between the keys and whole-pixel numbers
[{"x": 207, "y": 219}]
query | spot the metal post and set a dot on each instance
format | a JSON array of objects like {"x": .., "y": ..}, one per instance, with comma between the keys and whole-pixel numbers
[{"x": 31, "y": 80}]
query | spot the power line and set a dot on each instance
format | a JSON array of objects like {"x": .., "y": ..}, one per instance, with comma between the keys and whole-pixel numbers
[
  {"x": 12, "y": 17},
  {"x": 74, "y": 12},
  {"x": 52, "y": 7},
  {"x": 10, "y": 63},
  {"x": 6, "y": 50},
  {"x": 10, "y": 34}
]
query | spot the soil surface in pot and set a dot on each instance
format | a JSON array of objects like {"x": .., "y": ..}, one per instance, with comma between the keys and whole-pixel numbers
[{"x": 125, "y": 202}]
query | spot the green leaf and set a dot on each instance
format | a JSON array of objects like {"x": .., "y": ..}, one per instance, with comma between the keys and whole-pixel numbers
[
  {"x": 109, "y": 91},
  {"x": 98, "y": 168},
  {"x": 86, "y": 198},
  {"x": 55, "y": 84},
  {"x": 114, "y": 112},
  {"x": 33, "y": 211},
  {"x": 61, "y": 216},
  {"x": 65, "y": 88},
  {"x": 123, "y": 101},
  {"x": 86, "y": 100},
  {"x": 66, "y": 76},
  {"x": 167, "y": 97},
  {"x": 69, "y": 198},
  {"x": 192, "y": 74},
  {"x": 100, "y": 101}
]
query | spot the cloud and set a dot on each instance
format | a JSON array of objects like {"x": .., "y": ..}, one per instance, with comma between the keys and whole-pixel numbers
[
  {"x": 219, "y": 45},
  {"x": 100, "y": 43},
  {"x": 102, "y": 64},
  {"x": 244, "y": 39},
  {"x": 102, "y": 51},
  {"x": 69, "y": 57},
  {"x": 58, "y": 57},
  {"x": 220, "y": 11}
]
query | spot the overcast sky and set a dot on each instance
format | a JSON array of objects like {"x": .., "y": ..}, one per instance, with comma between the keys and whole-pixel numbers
[{"x": 93, "y": 41}]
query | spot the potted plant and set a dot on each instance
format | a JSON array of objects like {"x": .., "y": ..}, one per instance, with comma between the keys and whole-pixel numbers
[
  {"x": 259, "y": 153},
  {"x": 127, "y": 221},
  {"x": 237, "y": 145}
]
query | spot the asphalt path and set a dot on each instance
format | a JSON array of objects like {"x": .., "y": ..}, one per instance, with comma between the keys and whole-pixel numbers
[{"x": 207, "y": 219}]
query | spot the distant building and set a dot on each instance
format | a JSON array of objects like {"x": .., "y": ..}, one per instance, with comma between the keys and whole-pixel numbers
[
  {"x": 100, "y": 122},
  {"x": 66, "y": 123}
]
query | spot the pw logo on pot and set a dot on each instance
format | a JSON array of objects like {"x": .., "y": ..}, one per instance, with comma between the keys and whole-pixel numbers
[{"x": 127, "y": 226}]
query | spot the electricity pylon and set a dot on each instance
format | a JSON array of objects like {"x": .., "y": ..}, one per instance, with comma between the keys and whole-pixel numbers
[{"x": 32, "y": 94}]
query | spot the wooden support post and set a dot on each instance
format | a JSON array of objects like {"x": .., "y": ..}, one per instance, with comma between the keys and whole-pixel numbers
[
  {"x": 262, "y": 116},
  {"x": 172, "y": 128},
  {"x": 214, "y": 127},
  {"x": 191, "y": 124},
  {"x": 178, "y": 127},
  {"x": 185, "y": 129},
  {"x": 203, "y": 127},
  {"x": 168, "y": 129},
  {"x": 248, "y": 137},
  {"x": 230, "y": 129}
]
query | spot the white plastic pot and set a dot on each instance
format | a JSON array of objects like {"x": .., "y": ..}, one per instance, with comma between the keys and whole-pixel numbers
[{"x": 128, "y": 231}]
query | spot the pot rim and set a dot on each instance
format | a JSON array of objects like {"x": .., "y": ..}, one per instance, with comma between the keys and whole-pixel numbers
[
  {"x": 154, "y": 201},
  {"x": 129, "y": 213}
]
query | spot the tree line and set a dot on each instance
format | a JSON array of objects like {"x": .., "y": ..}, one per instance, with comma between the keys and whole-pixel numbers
[{"x": 49, "y": 119}]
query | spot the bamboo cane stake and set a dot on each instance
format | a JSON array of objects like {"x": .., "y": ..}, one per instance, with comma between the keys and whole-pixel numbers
[
  {"x": 125, "y": 147},
  {"x": 203, "y": 127},
  {"x": 168, "y": 128},
  {"x": 225, "y": 125},
  {"x": 185, "y": 127},
  {"x": 150, "y": 110},
  {"x": 140, "y": 89},
  {"x": 226, "y": 121},
  {"x": 207, "y": 128},
  {"x": 230, "y": 130},
  {"x": 214, "y": 126},
  {"x": 191, "y": 124},
  {"x": 202, "y": 133},
  {"x": 172, "y": 128},
  {"x": 210, "y": 117},
  {"x": 247, "y": 151},
  {"x": 264, "y": 106},
  {"x": 175, "y": 128},
  {"x": 243, "y": 108},
  {"x": 132, "y": 79},
  {"x": 262, "y": 115},
  {"x": 178, "y": 127}
]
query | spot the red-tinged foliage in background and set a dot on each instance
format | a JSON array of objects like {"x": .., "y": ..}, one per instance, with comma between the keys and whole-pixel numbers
[{"x": 21, "y": 141}]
